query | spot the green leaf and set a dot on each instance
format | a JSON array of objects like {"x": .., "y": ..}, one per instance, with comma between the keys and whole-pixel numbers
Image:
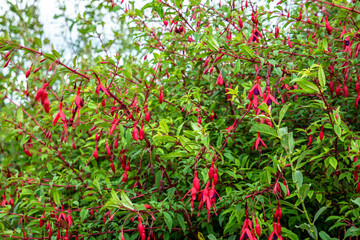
[
  {"x": 56, "y": 197},
  {"x": 299, "y": 178},
  {"x": 263, "y": 128},
  {"x": 321, "y": 76},
  {"x": 212, "y": 43},
  {"x": 324, "y": 236},
  {"x": 319, "y": 212},
  {"x": 37, "y": 41},
  {"x": 283, "y": 111},
  {"x": 211, "y": 237},
  {"x": 164, "y": 127},
  {"x": 245, "y": 49},
  {"x": 308, "y": 86},
  {"x": 181, "y": 221},
  {"x": 337, "y": 130},
  {"x": 83, "y": 214},
  {"x": 168, "y": 220},
  {"x": 290, "y": 234},
  {"x": 20, "y": 115},
  {"x": 174, "y": 155},
  {"x": 125, "y": 200},
  {"x": 288, "y": 143},
  {"x": 178, "y": 131},
  {"x": 237, "y": 67},
  {"x": 333, "y": 162}
]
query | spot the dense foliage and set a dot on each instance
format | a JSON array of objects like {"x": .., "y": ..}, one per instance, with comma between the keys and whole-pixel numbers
[{"x": 181, "y": 119}]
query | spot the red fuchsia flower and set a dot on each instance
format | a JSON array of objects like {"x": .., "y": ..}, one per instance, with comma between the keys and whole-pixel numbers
[
  {"x": 258, "y": 143},
  {"x": 255, "y": 35},
  {"x": 101, "y": 87},
  {"x": 343, "y": 32},
  {"x": 269, "y": 98},
  {"x": 275, "y": 234},
  {"x": 247, "y": 231},
  {"x": 255, "y": 90},
  {"x": 69, "y": 218},
  {"x": 78, "y": 101},
  {"x": 231, "y": 127},
  {"x": 60, "y": 115},
  {"x": 39, "y": 94},
  {"x": 347, "y": 45},
  {"x": 114, "y": 124}
]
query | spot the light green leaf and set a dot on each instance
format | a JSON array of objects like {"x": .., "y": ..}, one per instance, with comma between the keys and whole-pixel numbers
[
  {"x": 333, "y": 162},
  {"x": 321, "y": 76},
  {"x": 20, "y": 115},
  {"x": 263, "y": 128},
  {"x": 125, "y": 200},
  {"x": 245, "y": 49}
]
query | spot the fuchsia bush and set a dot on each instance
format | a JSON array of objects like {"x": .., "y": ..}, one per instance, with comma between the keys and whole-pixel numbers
[{"x": 192, "y": 119}]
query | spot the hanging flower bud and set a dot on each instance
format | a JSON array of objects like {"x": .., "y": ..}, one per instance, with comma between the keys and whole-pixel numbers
[
  {"x": 276, "y": 31},
  {"x": 345, "y": 90},
  {"x": 310, "y": 140},
  {"x": 142, "y": 132},
  {"x": 241, "y": 25},
  {"x": 328, "y": 27},
  {"x": 161, "y": 96},
  {"x": 211, "y": 171},
  {"x": 257, "y": 227},
  {"x": 42, "y": 219},
  {"x": 196, "y": 182},
  {"x": 135, "y": 133},
  {"x": 96, "y": 154},
  {"x": 27, "y": 74},
  {"x": 141, "y": 229},
  {"x": 212, "y": 116},
  {"x": 322, "y": 133},
  {"x": 220, "y": 80},
  {"x": 108, "y": 149},
  {"x": 289, "y": 43},
  {"x": 112, "y": 166},
  {"x": 116, "y": 143}
]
